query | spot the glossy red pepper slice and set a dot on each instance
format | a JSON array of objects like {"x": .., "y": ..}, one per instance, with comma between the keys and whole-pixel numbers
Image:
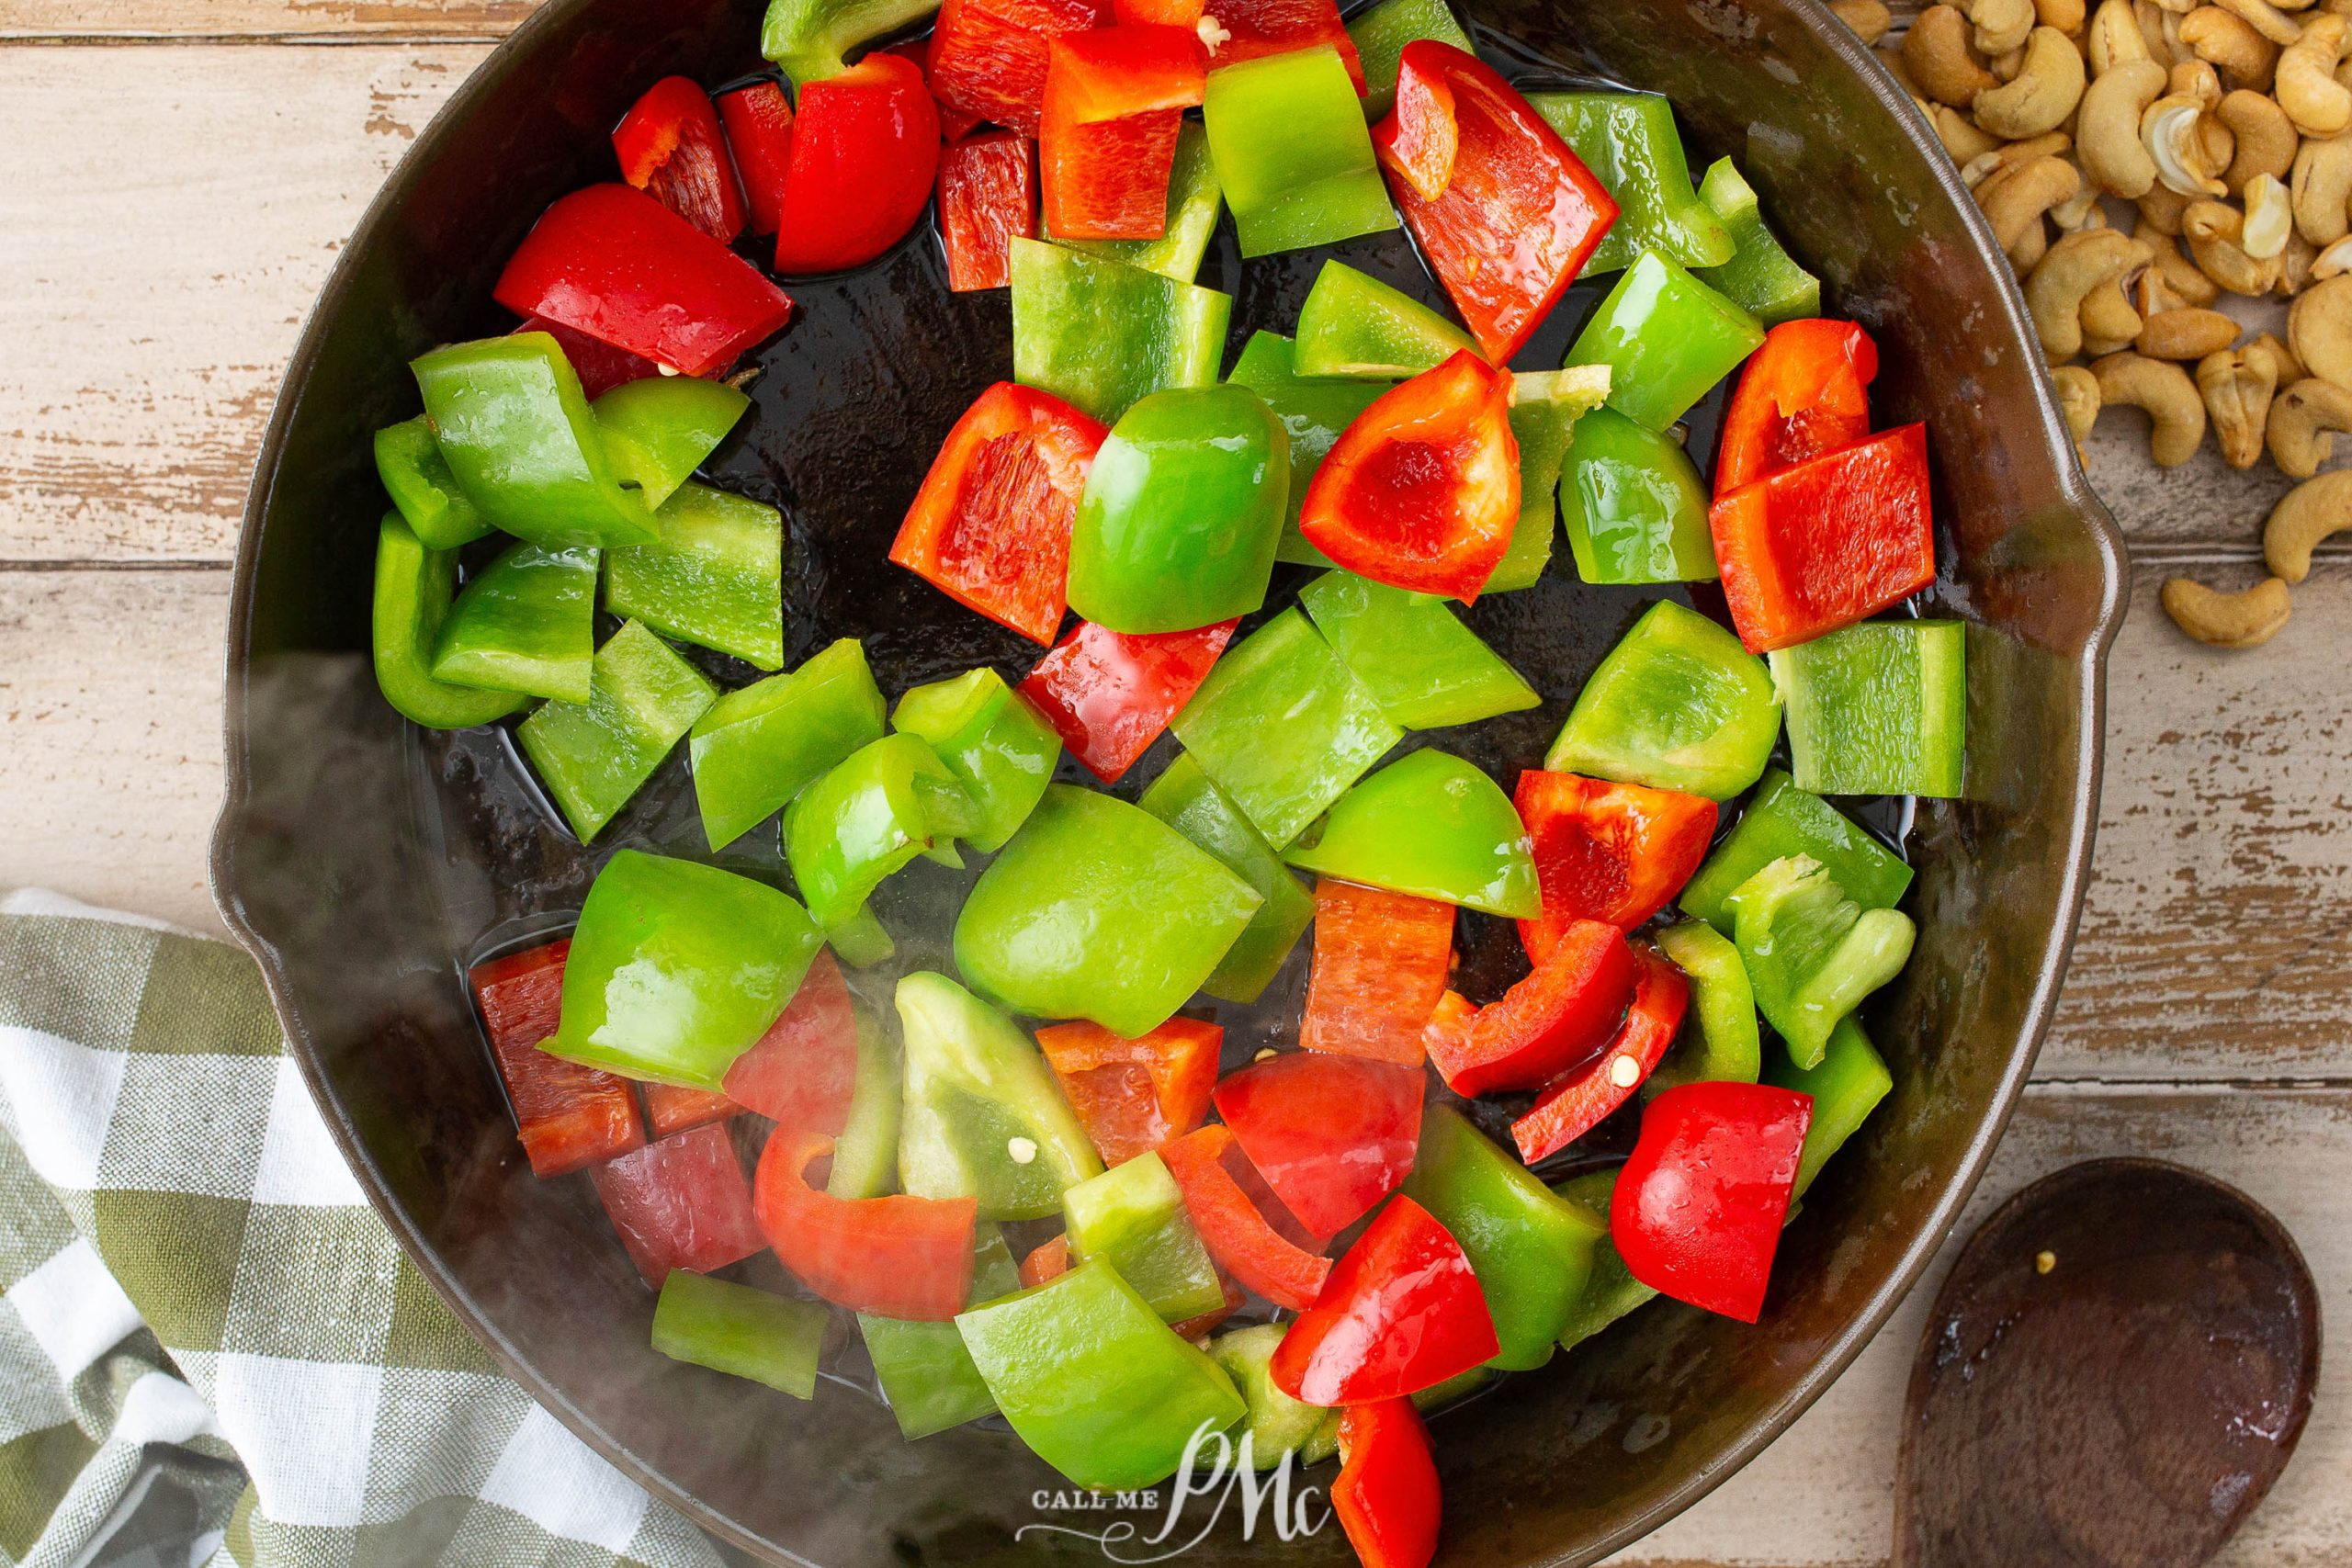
[
  {"x": 1185, "y": 14},
  {"x": 680, "y": 1203},
  {"x": 1240, "y": 1233},
  {"x": 673, "y": 1108},
  {"x": 613, "y": 262},
  {"x": 1108, "y": 694},
  {"x": 1386, "y": 1495},
  {"x": 1113, "y": 73},
  {"x": 865, "y": 150},
  {"x": 1576, "y": 1104},
  {"x": 1332, "y": 1135},
  {"x": 599, "y": 365},
  {"x": 1419, "y": 140},
  {"x": 1260, "y": 27},
  {"x": 670, "y": 147},
  {"x": 896, "y": 1257},
  {"x": 991, "y": 526},
  {"x": 1107, "y": 146},
  {"x": 1804, "y": 392},
  {"x": 987, "y": 57},
  {"x": 988, "y": 194},
  {"x": 803, "y": 1071},
  {"x": 759, "y": 129},
  {"x": 1698, "y": 1209},
  {"x": 1381, "y": 959},
  {"x": 1826, "y": 543},
  {"x": 1421, "y": 492},
  {"x": 1606, "y": 851},
  {"x": 1048, "y": 1260},
  {"x": 566, "y": 1115},
  {"x": 1549, "y": 1024},
  {"x": 1521, "y": 214},
  {"x": 1135, "y": 1095},
  {"x": 1401, "y": 1312}
]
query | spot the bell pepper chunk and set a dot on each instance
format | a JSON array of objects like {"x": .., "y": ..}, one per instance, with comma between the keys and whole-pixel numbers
[
  {"x": 890, "y": 801},
  {"x": 1782, "y": 819},
  {"x": 1236, "y": 1227},
  {"x": 1182, "y": 508},
  {"x": 1667, "y": 338},
  {"x": 1401, "y": 1312},
  {"x": 526, "y": 623},
  {"x": 810, "y": 39},
  {"x": 742, "y": 1332},
  {"x": 759, "y": 131},
  {"x": 614, "y": 264},
  {"x": 677, "y": 969},
  {"x": 670, "y": 147},
  {"x": 1381, "y": 34},
  {"x": 1423, "y": 491},
  {"x": 1102, "y": 334},
  {"x": 1804, "y": 393},
  {"x": 1386, "y": 1493},
  {"x": 1106, "y": 145},
  {"x": 987, "y": 58},
  {"x": 1760, "y": 278},
  {"x": 1420, "y": 663},
  {"x": 668, "y": 1109},
  {"x": 1812, "y": 954},
  {"x": 1381, "y": 961},
  {"x": 1281, "y": 726},
  {"x": 1698, "y": 1209},
  {"x": 417, "y": 477},
  {"x": 1726, "y": 1045},
  {"x": 1099, "y": 910},
  {"x": 926, "y": 1374},
  {"x": 1194, "y": 199},
  {"x": 802, "y": 1072},
  {"x": 1135, "y": 1095},
  {"x": 903, "y": 1257},
  {"x": 1332, "y": 1135},
  {"x": 1824, "y": 544},
  {"x": 1614, "y": 853},
  {"x": 1108, "y": 696},
  {"x": 1354, "y": 325},
  {"x": 1554, "y": 1021},
  {"x": 1611, "y": 1293},
  {"x": 594, "y": 756},
  {"x": 414, "y": 586},
  {"x": 865, "y": 1156},
  {"x": 988, "y": 194},
  {"x": 1547, "y": 408},
  {"x": 1256, "y": 28},
  {"x": 1431, "y": 825},
  {"x": 713, "y": 578},
  {"x": 1844, "y": 1087},
  {"x": 758, "y": 746},
  {"x": 865, "y": 152},
  {"x": 1629, "y": 142},
  {"x": 1634, "y": 507},
  {"x": 1878, "y": 708},
  {"x": 1292, "y": 152},
  {"x": 1184, "y": 797},
  {"x": 658, "y": 432},
  {"x": 1277, "y": 1425},
  {"x": 998, "y": 746},
  {"x": 1677, "y": 705},
  {"x": 679, "y": 1204},
  {"x": 567, "y": 1116},
  {"x": 1133, "y": 1218},
  {"x": 1576, "y": 1104}
]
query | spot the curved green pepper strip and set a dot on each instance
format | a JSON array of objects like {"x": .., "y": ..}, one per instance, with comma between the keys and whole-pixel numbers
[
  {"x": 1420, "y": 663},
  {"x": 1677, "y": 705},
  {"x": 761, "y": 745},
  {"x": 1629, "y": 142},
  {"x": 713, "y": 578},
  {"x": 886, "y": 803},
  {"x": 1433, "y": 826},
  {"x": 1293, "y": 152},
  {"x": 409, "y": 462},
  {"x": 594, "y": 756},
  {"x": 1133, "y": 1218},
  {"x": 1812, "y": 954},
  {"x": 998, "y": 746},
  {"x": 1184, "y": 799},
  {"x": 1782, "y": 819},
  {"x": 925, "y": 1372},
  {"x": 1760, "y": 278},
  {"x": 1845, "y": 1085},
  {"x": 1634, "y": 506},
  {"x": 658, "y": 431},
  {"x": 1668, "y": 339},
  {"x": 865, "y": 1156},
  {"x": 1720, "y": 1042},
  {"x": 1194, "y": 199},
  {"x": 413, "y": 588},
  {"x": 526, "y": 623},
  {"x": 1546, "y": 406},
  {"x": 810, "y": 39}
]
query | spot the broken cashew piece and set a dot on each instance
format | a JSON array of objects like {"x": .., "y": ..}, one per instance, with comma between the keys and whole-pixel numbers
[
  {"x": 2266, "y": 138},
  {"x": 2077, "y": 399},
  {"x": 1942, "y": 60},
  {"x": 1869, "y": 18},
  {"x": 2048, "y": 85},
  {"x": 2115, "y": 38},
  {"x": 2270, "y": 218},
  {"x": 2238, "y": 387},
  {"x": 2230, "y": 44},
  {"x": 2302, "y": 431},
  {"x": 2107, "y": 131},
  {"x": 2247, "y": 619},
  {"x": 2214, "y": 231},
  {"x": 2333, "y": 262},
  {"x": 2319, "y": 330},
  {"x": 2306, "y": 87},
  {"x": 2305, "y": 515},
  {"x": 2172, "y": 131},
  {"x": 2165, "y": 394},
  {"x": 2109, "y": 317},
  {"x": 2000, "y": 25},
  {"x": 2179, "y": 272},
  {"x": 2077, "y": 264}
]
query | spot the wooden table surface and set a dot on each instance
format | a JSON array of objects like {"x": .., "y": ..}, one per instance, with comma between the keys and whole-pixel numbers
[{"x": 182, "y": 175}]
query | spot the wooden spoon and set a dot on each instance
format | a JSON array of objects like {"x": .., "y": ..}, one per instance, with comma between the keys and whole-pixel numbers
[{"x": 2116, "y": 1369}]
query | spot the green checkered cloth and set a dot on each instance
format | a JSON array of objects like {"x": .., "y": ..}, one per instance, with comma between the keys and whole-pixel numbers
[{"x": 200, "y": 1309}]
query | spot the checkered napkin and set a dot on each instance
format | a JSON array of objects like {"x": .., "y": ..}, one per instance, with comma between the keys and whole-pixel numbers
[{"x": 201, "y": 1310}]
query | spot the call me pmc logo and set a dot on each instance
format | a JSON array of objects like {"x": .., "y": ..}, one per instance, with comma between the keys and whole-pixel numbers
[{"x": 1217, "y": 1473}]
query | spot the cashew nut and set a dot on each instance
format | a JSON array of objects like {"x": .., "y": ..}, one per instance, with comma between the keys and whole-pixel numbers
[
  {"x": 2269, "y": 218},
  {"x": 2163, "y": 392},
  {"x": 2115, "y": 38},
  {"x": 1890, "y": 54},
  {"x": 1869, "y": 18},
  {"x": 2015, "y": 199},
  {"x": 2170, "y": 130},
  {"x": 2179, "y": 273},
  {"x": 2319, "y": 330},
  {"x": 2009, "y": 155},
  {"x": 2077, "y": 399},
  {"x": 2230, "y": 44},
  {"x": 1962, "y": 141},
  {"x": 2305, "y": 515},
  {"x": 2000, "y": 25},
  {"x": 2066, "y": 16},
  {"x": 2185, "y": 333},
  {"x": 2215, "y": 231},
  {"x": 2238, "y": 387},
  {"x": 1942, "y": 60},
  {"x": 2107, "y": 316},
  {"x": 2306, "y": 84},
  {"x": 2301, "y": 428},
  {"x": 2047, "y": 87},
  {"x": 2247, "y": 619},
  {"x": 2333, "y": 262},
  {"x": 2321, "y": 187},
  {"x": 2265, "y": 19},
  {"x": 2107, "y": 132},
  {"x": 2161, "y": 209},
  {"x": 2285, "y": 368},
  {"x": 2266, "y": 138},
  {"x": 2058, "y": 287},
  {"x": 2150, "y": 294}
]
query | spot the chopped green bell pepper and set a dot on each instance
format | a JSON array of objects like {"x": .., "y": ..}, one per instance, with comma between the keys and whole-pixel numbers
[
  {"x": 762, "y": 744},
  {"x": 1845, "y": 1085},
  {"x": 713, "y": 578},
  {"x": 1133, "y": 1218},
  {"x": 1380, "y": 36},
  {"x": 594, "y": 756},
  {"x": 1184, "y": 799},
  {"x": 983, "y": 1116},
  {"x": 736, "y": 1329},
  {"x": 1194, "y": 199},
  {"x": 1546, "y": 406},
  {"x": 1782, "y": 819},
  {"x": 1629, "y": 142},
  {"x": 1433, "y": 826},
  {"x": 1098, "y": 909},
  {"x": 1276, "y": 1425},
  {"x": 1090, "y": 1378},
  {"x": 1000, "y": 748},
  {"x": 1293, "y": 152},
  {"x": 1356, "y": 325},
  {"x": 865, "y": 1155},
  {"x": 413, "y": 586},
  {"x": 417, "y": 477},
  {"x": 1531, "y": 1249},
  {"x": 809, "y": 38},
  {"x": 1720, "y": 1042},
  {"x": 1612, "y": 1291},
  {"x": 887, "y": 802},
  {"x": 1668, "y": 339},
  {"x": 1313, "y": 410},
  {"x": 1282, "y": 727},
  {"x": 925, "y": 1372},
  {"x": 1812, "y": 954},
  {"x": 1678, "y": 705},
  {"x": 677, "y": 969},
  {"x": 862, "y": 940},
  {"x": 1760, "y": 278},
  {"x": 1878, "y": 708},
  {"x": 1099, "y": 334},
  {"x": 1634, "y": 506},
  {"x": 658, "y": 431},
  {"x": 517, "y": 433},
  {"x": 526, "y": 623},
  {"x": 1424, "y": 667},
  {"x": 1183, "y": 509}
]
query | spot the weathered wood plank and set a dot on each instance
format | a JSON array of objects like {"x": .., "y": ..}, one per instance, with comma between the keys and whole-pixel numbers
[{"x": 415, "y": 19}]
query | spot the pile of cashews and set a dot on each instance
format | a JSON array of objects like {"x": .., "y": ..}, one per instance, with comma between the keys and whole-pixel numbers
[{"x": 2226, "y": 126}]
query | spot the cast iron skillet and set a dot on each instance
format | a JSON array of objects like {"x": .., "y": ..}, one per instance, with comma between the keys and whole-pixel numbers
[{"x": 365, "y": 864}]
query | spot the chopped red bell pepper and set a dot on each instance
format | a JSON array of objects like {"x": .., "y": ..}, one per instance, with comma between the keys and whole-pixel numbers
[
  {"x": 567, "y": 1115},
  {"x": 865, "y": 150},
  {"x": 613, "y": 262},
  {"x": 1381, "y": 959},
  {"x": 1386, "y": 1495},
  {"x": 1135, "y": 1095},
  {"x": 599, "y": 365},
  {"x": 1828, "y": 542},
  {"x": 673, "y": 1108},
  {"x": 1521, "y": 214},
  {"x": 1113, "y": 73},
  {"x": 1047, "y": 1260},
  {"x": 987, "y": 57},
  {"x": 1240, "y": 1234},
  {"x": 1698, "y": 1209},
  {"x": 991, "y": 526},
  {"x": 1277, "y": 27},
  {"x": 1549, "y": 1022},
  {"x": 759, "y": 129},
  {"x": 898, "y": 1257},
  {"x": 988, "y": 194},
  {"x": 1804, "y": 392},
  {"x": 1606, "y": 851},
  {"x": 1401, "y": 1312},
  {"x": 1185, "y": 14},
  {"x": 1420, "y": 140},
  {"x": 680, "y": 1203},
  {"x": 671, "y": 148},
  {"x": 1333, "y": 1135},
  {"x": 1107, "y": 146},
  {"x": 1421, "y": 492},
  {"x": 1576, "y": 1104},
  {"x": 1109, "y": 695},
  {"x": 803, "y": 1071}
]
